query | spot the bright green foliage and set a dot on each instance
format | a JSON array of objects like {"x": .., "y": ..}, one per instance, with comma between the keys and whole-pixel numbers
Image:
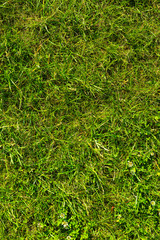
[{"x": 79, "y": 119}]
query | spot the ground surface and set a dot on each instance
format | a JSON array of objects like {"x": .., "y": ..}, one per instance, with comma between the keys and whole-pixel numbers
[{"x": 80, "y": 119}]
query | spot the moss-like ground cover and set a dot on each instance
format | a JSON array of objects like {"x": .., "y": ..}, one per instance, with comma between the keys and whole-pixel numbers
[{"x": 79, "y": 119}]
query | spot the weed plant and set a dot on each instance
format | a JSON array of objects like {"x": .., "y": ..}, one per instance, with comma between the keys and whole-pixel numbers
[{"x": 80, "y": 119}]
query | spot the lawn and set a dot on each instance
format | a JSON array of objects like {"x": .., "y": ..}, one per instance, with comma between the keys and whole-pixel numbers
[{"x": 79, "y": 119}]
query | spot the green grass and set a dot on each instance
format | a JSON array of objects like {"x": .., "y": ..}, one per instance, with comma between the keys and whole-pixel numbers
[{"x": 80, "y": 101}]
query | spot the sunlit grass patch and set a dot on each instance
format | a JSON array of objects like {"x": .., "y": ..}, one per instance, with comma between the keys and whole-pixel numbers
[{"x": 79, "y": 119}]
